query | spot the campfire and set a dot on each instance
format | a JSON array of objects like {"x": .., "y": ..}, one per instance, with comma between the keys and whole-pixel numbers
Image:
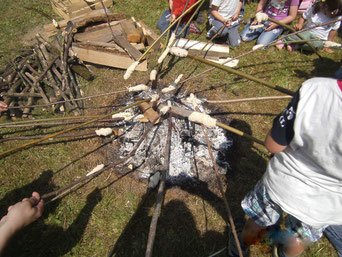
[{"x": 189, "y": 157}]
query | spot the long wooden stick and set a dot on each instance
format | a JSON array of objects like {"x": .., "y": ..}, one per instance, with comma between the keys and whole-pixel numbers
[
  {"x": 160, "y": 195},
  {"x": 219, "y": 182},
  {"x": 70, "y": 129},
  {"x": 241, "y": 74},
  {"x": 249, "y": 99},
  {"x": 186, "y": 113}
]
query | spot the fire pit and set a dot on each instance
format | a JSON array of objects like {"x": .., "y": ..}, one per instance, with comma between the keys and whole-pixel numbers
[{"x": 189, "y": 157}]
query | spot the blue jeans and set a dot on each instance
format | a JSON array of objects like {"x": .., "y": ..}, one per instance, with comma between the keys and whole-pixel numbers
[
  {"x": 232, "y": 33},
  {"x": 164, "y": 23},
  {"x": 334, "y": 234},
  {"x": 264, "y": 37}
]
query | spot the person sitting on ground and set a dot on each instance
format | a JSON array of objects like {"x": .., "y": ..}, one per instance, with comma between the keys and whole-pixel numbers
[
  {"x": 304, "y": 177},
  {"x": 175, "y": 9},
  {"x": 224, "y": 18},
  {"x": 284, "y": 11},
  {"x": 319, "y": 12},
  {"x": 20, "y": 215}
]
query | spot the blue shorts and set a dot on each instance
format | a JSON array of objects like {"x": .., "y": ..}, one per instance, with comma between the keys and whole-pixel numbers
[{"x": 259, "y": 207}]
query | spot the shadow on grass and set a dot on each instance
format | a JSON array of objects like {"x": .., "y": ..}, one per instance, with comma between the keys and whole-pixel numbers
[
  {"x": 177, "y": 233},
  {"x": 39, "y": 239}
]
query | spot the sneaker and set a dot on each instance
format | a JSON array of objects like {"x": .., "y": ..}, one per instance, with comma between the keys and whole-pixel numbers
[
  {"x": 194, "y": 29},
  {"x": 200, "y": 18},
  {"x": 232, "y": 249}
]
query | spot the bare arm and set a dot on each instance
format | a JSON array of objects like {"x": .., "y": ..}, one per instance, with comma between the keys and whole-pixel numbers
[
  {"x": 292, "y": 15},
  {"x": 19, "y": 215},
  {"x": 300, "y": 24},
  {"x": 216, "y": 15},
  {"x": 332, "y": 35},
  {"x": 272, "y": 145},
  {"x": 236, "y": 15}
]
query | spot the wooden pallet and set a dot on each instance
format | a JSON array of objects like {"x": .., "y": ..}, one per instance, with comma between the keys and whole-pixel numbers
[{"x": 69, "y": 9}]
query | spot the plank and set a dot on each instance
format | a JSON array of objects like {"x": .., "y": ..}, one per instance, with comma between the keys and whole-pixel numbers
[
  {"x": 151, "y": 36},
  {"x": 194, "y": 47},
  {"x": 107, "y": 59},
  {"x": 132, "y": 33}
]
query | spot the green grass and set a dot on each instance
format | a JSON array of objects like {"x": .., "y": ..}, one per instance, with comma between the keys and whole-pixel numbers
[{"x": 89, "y": 222}]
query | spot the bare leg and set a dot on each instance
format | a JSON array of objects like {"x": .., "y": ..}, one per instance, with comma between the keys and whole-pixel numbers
[{"x": 252, "y": 232}]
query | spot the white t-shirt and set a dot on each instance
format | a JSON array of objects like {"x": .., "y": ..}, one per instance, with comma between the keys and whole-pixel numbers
[
  {"x": 319, "y": 18},
  {"x": 305, "y": 180},
  {"x": 225, "y": 8}
]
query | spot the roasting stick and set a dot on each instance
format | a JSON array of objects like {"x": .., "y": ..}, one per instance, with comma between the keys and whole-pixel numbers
[
  {"x": 219, "y": 182},
  {"x": 183, "y": 53},
  {"x": 210, "y": 122},
  {"x": 70, "y": 129},
  {"x": 100, "y": 168},
  {"x": 161, "y": 193}
]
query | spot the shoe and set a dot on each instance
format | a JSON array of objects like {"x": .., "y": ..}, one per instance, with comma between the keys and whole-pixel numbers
[
  {"x": 232, "y": 249},
  {"x": 200, "y": 18},
  {"x": 194, "y": 29}
]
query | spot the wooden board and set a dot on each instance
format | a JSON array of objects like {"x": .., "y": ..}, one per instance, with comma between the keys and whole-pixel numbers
[
  {"x": 69, "y": 9},
  {"x": 107, "y": 59},
  {"x": 194, "y": 47},
  {"x": 93, "y": 16},
  {"x": 132, "y": 33},
  {"x": 95, "y": 35},
  {"x": 151, "y": 36}
]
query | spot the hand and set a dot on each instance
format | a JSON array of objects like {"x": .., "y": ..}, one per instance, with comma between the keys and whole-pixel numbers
[
  {"x": 271, "y": 26},
  {"x": 298, "y": 26},
  {"x": 3, "y": 106},
  {"x": 172, "y": 18},
  {"x": 228, "y": 23},
  {"x": 235, "y": 17},
  {"x": 255, "y": 22},
  {"x": 328, "y": 50},
  {"x": 23, "y": 213}
]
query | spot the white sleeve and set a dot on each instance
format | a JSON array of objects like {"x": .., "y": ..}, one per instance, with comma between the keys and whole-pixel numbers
[
  {"x": 216, "y": 2},
  {"x": 336, "y": 25},
  {"x": 308, "y": 12}
]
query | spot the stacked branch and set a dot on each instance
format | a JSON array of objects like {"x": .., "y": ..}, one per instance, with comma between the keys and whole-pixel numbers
[{"x": 43, "y": 74}]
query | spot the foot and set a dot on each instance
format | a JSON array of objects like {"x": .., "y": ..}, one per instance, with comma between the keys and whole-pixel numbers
[
  {"x": 280, "y": 45},
  {"x": 289, "y": 48}
]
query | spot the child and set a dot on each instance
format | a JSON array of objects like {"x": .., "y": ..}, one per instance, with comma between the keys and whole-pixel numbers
[
  {"x": 176, "y": 8},
  {"x": 225, "y": 14},
  {"x": 304, "y": 177},
  {"x": 318, "y": 13},
  {"x": 284, "y": 11}
]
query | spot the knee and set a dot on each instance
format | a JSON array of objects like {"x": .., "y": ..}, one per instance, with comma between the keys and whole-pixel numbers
[{"x": 293, "y": 247}]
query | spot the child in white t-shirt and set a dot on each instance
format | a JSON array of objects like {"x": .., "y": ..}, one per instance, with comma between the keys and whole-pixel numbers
[
  {"x": 320, "y": 12},
  {"x": 225, "y": 14}
]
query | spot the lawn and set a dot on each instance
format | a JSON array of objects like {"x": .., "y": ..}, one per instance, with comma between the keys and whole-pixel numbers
[{"x": 112, "y": 214}]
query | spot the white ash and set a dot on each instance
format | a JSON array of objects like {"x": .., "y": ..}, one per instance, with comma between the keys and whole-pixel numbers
[{"x": 189, "y": 157}]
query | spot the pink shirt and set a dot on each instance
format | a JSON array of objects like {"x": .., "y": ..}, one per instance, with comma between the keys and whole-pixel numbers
[{"x": 279, "y": 9}]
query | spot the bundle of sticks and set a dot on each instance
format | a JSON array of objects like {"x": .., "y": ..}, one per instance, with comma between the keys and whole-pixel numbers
[{"x": 47, "y": 73}]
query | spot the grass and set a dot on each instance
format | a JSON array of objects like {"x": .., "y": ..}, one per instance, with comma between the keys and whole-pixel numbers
[{"x": 90, "y": 222}]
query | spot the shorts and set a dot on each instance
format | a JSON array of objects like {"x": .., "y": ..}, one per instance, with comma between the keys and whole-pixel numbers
[{"x": 263, "y": 211}]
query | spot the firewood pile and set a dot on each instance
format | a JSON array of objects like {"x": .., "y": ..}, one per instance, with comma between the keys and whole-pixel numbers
[{"x": 46, "y": 73}]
